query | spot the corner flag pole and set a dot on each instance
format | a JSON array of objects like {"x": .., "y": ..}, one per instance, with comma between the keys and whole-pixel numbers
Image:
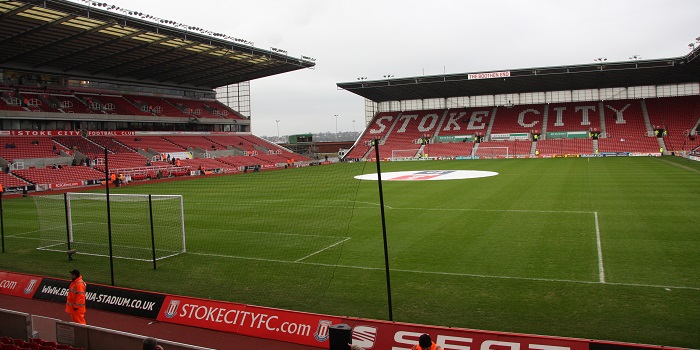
[{"x": 375, "y": 142}]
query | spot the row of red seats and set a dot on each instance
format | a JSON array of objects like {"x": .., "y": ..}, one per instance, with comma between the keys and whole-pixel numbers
[
  {"x": 58, "y": 100},
  {"x": 34, "y": 344},
  {"x": 621, "y": 120}
]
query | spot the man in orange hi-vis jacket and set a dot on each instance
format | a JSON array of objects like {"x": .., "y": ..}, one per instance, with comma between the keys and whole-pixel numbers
[
  {"x": 75, "y": 302},
  {"x": 426, "y": 343}
]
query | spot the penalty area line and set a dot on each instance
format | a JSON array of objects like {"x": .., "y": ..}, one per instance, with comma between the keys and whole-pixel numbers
[{"x": 318, "y": 251}]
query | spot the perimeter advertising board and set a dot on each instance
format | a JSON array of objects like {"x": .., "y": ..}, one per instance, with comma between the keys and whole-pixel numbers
[
  {"x": 18, "y": 285},
  {"x": 123, "y": 301},
  {"x": 371, "y": 334},
  {"x": 288, "y": 326}
]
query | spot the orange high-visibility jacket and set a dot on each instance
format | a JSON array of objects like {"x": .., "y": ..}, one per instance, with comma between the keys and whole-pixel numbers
[
  {"x": 432, "y": 347},
  {"x": 76, "y": 296}
]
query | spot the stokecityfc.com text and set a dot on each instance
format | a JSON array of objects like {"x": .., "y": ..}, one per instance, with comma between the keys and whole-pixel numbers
[{"x": 243, "y": 318}]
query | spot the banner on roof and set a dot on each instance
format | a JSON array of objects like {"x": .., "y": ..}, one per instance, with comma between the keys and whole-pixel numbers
[{"x": 489, "y": 75}]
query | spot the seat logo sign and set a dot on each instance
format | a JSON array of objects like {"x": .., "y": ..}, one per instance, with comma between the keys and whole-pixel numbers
[
  {"x": 364, "y": 336},
  {"x": 428, "y": 175}
]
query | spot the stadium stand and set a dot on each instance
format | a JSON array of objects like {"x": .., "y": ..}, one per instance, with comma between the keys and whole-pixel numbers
[
  {"x": 146, "y": 143},
  {"x": 80, "y": 144},
  {"x": 112, "y": 104},
  {"x": 23, "y": 147},
  {"x": 64, "y": 174},
  {"x": 575, "y": 116},
  {"x": 677, "y": 116},
  {"x": 110, "y": 144},
  {"x": 517, "y": 119},
  {"x": 10, "y": 181},
  {"x": 492, "y": 149},
  {"x": 377, "y": 129},
  {"x": 565, "y": 146}
]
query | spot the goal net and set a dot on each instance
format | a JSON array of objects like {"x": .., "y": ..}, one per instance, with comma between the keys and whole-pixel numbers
[
  {"x": 141, "y": 224},
  {"x": 404, "y": 154},
  {"x": 492, "y": 152}
]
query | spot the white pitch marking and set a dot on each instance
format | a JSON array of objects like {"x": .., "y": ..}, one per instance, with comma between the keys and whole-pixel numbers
[
  {"x": 316, "y": 252},
  {"x": 444, "y": 273},
  {"x": 601, "y": 269}
]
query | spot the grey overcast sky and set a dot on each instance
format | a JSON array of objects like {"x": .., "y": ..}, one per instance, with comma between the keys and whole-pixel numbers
[{"x": 372, "y": 38}]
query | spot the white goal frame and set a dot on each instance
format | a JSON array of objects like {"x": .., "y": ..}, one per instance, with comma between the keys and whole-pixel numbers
[
  {"x": 507, "y": 155},
  {"x": 118, "y": 198},
  {"x": 404, "y": 154},
  {"x": 68, "y": 237}
]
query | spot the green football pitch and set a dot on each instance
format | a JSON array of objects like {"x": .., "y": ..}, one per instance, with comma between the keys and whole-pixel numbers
[{"x": 600, "y": 248}]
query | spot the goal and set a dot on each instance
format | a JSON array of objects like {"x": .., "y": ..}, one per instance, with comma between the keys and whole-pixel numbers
[
  {"x": 143, "y": 227},
  {"x": 404, "y": 154},
  {"x": 492, "y": 152}
]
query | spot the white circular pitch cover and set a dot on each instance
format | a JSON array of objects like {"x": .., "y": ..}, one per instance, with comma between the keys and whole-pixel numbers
[{"x": 428, "y": 175}]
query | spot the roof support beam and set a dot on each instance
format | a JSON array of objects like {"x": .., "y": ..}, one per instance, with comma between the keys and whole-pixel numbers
[
  {"x": 109, "y": 58},
  {"x": 29, "y": 32},
  {"x": 160, "y": 63},
  {"x": 83, "y": 51}
]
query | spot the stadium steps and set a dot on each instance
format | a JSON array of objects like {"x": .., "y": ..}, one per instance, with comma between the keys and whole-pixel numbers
[
  {"x": 662, "y": 144},
  {"x": 647, "y": 123},
  {"x": 595, "y": 145},
  {"x": 545, "y": 120},
  {"x": 601, "y": 113},
  {"x": 534, "y": 144}
]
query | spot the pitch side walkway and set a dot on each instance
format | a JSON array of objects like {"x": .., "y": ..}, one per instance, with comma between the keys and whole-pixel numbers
[{"x": 147, "y": 327}]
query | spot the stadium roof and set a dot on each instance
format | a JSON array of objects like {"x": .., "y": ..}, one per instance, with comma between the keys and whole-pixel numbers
[
  {"x": 576, "y": 77},
  {"x": 82, "y": 41}
]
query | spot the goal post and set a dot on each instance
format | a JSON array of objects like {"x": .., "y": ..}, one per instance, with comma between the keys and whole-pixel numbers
[
  {"x": 144, "y": 227},
  {"x": 404, "y": 154},
  {"x": 492, "y": 152}
]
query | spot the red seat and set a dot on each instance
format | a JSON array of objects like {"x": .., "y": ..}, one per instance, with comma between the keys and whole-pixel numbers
[
  {"x": 5, "y": 340},
  {"x": 9, "y": 347}
]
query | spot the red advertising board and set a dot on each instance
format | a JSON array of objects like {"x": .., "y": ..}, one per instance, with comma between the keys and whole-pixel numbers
[
  {"x": 288, "y": 326},
  {"x": 371, "y": 334},
  {"x": 18, "y": 285},
  {"x": 66, "y": 184}
]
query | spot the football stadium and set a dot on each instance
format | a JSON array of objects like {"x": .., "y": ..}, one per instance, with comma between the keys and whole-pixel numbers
[{"x": 543, "y": 208}]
